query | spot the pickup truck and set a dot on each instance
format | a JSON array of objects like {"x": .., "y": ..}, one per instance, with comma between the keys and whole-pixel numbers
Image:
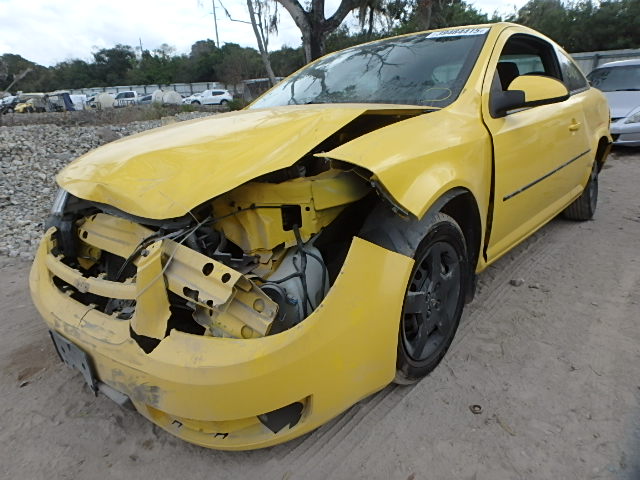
[{"x": 125, "y": 99}]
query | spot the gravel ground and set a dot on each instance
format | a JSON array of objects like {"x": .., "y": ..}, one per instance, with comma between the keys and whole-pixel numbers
[{"x": 31, "y": 156}]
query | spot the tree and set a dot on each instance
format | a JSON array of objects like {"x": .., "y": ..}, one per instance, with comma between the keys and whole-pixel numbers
[
  {"x": 15, "y": 66},
  {"x": 286, "y": 60},
  {"x": 314, "y": 26},
  {"x": 262, "y": 26},
  {"x": 419, "y": 15},
  {"x": 585, "y": 25},
  {"x": 239, "y": 64},
  {"x": 204, "y": 61},
  {"x": 113, "y": 64}
]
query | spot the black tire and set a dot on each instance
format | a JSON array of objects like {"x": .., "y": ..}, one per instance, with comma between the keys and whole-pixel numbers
[
  {"x": 195, "y": 102},
  {"x": 224, "y": 102},
  {"x": 9, "y": 110},
  {"x": 434, "y": 297},
  {"x": 584, "y": 207}
]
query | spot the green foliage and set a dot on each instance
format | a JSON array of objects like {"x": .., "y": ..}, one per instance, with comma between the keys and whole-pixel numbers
[
  {"x": 585, "y": 26},
  {"x": 286, "y": 60},
  {"x": 342, "y": 38},
  {"x": 237, "y": 104},
  {"x": 15, "y": 65},
  {"x": 119, "y": 65},
  {"x": 113, "y": 64}
]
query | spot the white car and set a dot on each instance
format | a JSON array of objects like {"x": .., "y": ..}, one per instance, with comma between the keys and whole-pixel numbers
[
  {"x": 620, "y": 82},
  {"x": 209, "y": 97}
]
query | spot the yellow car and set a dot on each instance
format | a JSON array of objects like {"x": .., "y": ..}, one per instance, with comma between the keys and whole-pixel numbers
[{"x": 241, "y": 279}]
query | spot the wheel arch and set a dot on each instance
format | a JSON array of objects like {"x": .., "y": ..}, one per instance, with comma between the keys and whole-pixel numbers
[
  {"x": 461, "y": 205},
  {"x": 602, "y": 151},
  {"x": 458, "y": 203}
]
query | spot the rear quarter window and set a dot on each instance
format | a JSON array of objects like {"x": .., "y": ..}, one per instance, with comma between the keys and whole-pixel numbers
[{"x": 572, "y": 77}]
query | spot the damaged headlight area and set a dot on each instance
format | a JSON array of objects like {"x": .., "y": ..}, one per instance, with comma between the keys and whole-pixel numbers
[{"x": 252, "y": 262}]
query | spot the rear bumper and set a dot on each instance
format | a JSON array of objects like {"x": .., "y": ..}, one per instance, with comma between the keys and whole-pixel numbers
[{"x": 210, "y": 390}]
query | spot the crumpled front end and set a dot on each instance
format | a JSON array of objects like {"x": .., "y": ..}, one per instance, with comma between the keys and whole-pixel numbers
[{"x": 249, "y": 322}]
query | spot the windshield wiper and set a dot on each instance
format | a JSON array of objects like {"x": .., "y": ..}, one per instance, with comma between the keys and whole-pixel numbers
[{"x": 627, "y": 90}]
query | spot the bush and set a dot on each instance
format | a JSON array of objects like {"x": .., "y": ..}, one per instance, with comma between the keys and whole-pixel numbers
[{"x": 237, "y": 104}]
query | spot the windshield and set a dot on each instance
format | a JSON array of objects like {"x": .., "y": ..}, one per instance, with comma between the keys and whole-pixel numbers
[
  {"x": 612, "y": 79},
  {"x": 424, "y": 69}
]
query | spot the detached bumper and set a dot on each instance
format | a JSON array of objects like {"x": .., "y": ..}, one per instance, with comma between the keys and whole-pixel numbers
[{"x": 210, "y": 390}]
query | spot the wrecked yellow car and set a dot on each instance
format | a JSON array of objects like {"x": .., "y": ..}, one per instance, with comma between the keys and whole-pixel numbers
[{"x": 241, "y": 279}]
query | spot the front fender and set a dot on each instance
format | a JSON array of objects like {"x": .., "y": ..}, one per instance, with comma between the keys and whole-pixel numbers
[{"x": 420, "y": 159}]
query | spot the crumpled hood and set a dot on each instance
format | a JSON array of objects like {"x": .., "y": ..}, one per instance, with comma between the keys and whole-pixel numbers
[
  {"x": 622, "y": 103},
  {"x": 165, "y": 172}
]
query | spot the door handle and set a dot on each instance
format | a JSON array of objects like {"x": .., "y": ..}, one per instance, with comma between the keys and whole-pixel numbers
[{"x": 574, "y": 127}]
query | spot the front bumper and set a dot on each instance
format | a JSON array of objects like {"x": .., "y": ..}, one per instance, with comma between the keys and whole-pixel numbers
[
  {"x": 625, "y": 134},
  {"x": 210, "y": 390}
]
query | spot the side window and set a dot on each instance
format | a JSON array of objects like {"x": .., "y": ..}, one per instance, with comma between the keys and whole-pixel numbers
[
  {"x": 571, "y": 74},
  {"x": 526, "y": 55}
]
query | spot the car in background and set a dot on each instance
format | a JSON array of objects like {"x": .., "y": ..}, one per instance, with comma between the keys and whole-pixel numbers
[
  {"x": 192, "y": 99},
  {"x": 8, "y": 104},
  {"x": 209, "y": 97},
  {"x": 125, "y": 99},
  {"x": 145, "y": 99},
  {"x": 620, "y": 82}
]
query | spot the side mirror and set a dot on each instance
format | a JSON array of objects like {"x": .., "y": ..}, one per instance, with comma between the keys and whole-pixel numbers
[{"x": 528, "y": 91}]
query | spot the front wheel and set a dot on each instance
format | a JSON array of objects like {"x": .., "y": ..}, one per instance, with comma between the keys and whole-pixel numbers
[
  {"x": 433, "y": 301},
  {"x": 584, "y": 207},
  {"x": 435, "y": 294},
  {"x": 195, "y": 102}
]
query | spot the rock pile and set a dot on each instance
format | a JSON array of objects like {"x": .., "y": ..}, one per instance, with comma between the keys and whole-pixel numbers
[{"x": 30, "y": 158}]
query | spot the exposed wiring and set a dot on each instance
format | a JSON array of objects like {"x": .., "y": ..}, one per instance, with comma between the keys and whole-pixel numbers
[
  {"x": 170, "y": 259},
  {"x": 154, "y": 237},
  {"x": 303, "y": 270},
  {"x": 325, "y": 271}
]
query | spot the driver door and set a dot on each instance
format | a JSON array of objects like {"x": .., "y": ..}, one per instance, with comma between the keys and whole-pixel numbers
[{"x": 536, "y": 149}]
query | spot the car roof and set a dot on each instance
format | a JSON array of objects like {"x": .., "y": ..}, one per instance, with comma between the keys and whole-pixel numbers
[{"x": 620, "y": 63}]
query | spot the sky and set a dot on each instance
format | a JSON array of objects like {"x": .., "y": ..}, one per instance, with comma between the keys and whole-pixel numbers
[{"x": 49, "y": 32}]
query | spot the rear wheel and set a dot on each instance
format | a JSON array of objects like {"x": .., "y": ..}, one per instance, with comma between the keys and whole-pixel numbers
[
  {"x": 584, "y": 207},
  {"x": 434, "y": 296},
  {"x": 224, "y": 102}
]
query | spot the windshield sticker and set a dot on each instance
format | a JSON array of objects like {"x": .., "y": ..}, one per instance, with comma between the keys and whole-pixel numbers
[{"x": 458, "y": 32}]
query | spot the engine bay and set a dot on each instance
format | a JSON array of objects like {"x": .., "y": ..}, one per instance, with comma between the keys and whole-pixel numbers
[{"x": 252, "y": 262}]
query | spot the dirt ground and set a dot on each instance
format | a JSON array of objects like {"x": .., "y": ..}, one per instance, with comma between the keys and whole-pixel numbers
[{"x": 554, "y": 364}]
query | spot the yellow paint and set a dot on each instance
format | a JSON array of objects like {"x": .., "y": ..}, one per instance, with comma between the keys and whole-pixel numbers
[
  {"x": 165, "y": 172},
  {"x": 344, "y": 351},
  {"x": 531, "y": 143},
  {"x": 536, "y": 87},
  {"x": 251, "y": 217},
  {"x": 152, "y": 301}
]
